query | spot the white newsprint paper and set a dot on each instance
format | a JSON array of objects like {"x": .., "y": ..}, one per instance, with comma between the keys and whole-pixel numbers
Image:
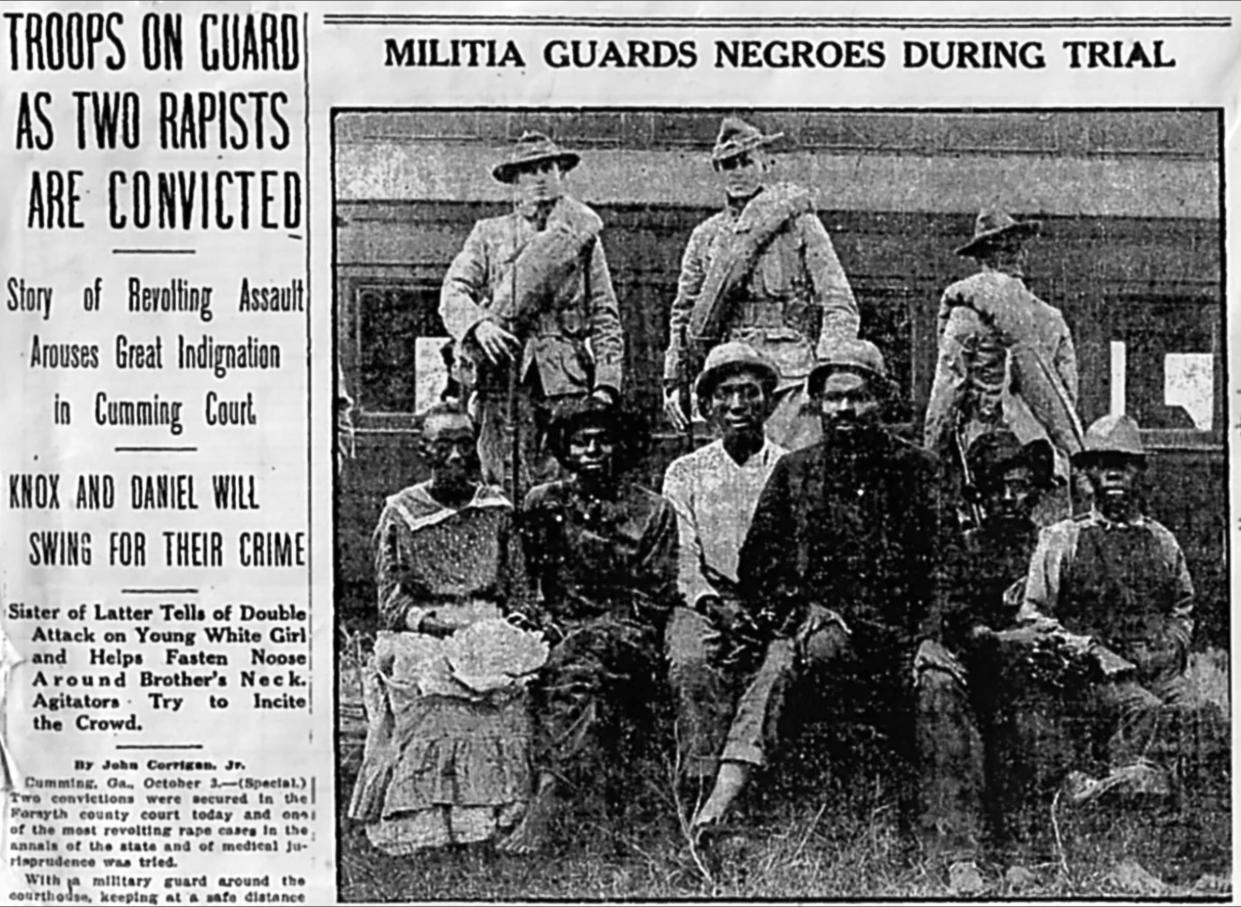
[{"x": 245, "y": 251}]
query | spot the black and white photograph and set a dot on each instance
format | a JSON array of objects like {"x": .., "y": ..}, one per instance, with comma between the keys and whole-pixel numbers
[{"x": 780, "y": 502}]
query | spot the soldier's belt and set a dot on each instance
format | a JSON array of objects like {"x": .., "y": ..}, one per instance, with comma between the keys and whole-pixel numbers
[{"x": 760, "y": 313}]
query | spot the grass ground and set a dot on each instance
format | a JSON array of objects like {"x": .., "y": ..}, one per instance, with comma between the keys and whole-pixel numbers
[{"x": 817, "y": 836}]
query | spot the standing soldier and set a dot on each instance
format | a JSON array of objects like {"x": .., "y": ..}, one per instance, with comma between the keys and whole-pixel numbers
[
  {"x": 762, "y": 271},
  {"x": 529, "y": 301},
  {"x": 1006, "y": 357},
  {"x": 714, "y": 490}
]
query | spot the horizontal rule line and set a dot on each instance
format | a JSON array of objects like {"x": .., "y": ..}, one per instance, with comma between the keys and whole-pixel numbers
[
  {"x": 156, "y": 449},
  {"x": 154, "y": 251},
  {"x": 159, "y": 746},
  {"x": 655, "y": 22},
  {"x": 159, "y": 591}
]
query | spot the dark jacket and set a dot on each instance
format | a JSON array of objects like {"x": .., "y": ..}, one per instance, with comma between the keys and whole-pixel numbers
[
  {"x": 985, "y": 580},
  {"x": 591, "y": 558},
  {"x": 862, "y": 536}
]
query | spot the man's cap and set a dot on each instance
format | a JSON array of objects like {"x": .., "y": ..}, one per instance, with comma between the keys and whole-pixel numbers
[
  {"x": 996, "y": 452},
  {"x": 533, "y": 148},
  {"x": 851, "y": 355},
  {"x": 737, "y": 137},
  {"x": 1116, "y": 434},
  {"x": 732, "y": 357},
  {"x": 991, "y": 225}
]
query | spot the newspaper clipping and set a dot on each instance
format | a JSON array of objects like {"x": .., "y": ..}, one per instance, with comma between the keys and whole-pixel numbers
[{"x": 547, "y": 451}]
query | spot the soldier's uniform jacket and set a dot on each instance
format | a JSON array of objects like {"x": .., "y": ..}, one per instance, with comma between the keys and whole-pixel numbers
[
  {"x": 794, "y": 300},
  {"x": 990, "y": 325},
  {"x": 572, "y": 343}
]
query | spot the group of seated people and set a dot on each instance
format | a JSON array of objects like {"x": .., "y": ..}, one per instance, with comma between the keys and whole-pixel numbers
[{"x": 761, "y": 586}]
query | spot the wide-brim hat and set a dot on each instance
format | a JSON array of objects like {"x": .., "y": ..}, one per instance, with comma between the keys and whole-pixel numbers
[
  {"x": 730, "y": 358},
  {"x": 737, "y": 137},
  {"x": 1115, "y": 435},
  {"x": 994, "y": 453},
  {"x": 991, "y": 226},
  {"x": 533, "y": 148},
  {"x": 854, "y": 355}
]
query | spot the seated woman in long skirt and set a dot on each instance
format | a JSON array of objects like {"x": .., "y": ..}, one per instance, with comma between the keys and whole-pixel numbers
[{"x": 447, "y": 758}]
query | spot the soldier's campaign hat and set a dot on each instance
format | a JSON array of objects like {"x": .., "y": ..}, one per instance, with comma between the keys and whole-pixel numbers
[
  {"x": 996, "y": 452},
  {"x": 990, "y": 226},
  {"x": 533, "y": 148},
  {"x": 851, "y": 355},
  {"x": 1111, "y": 436},
  {"x": 737, "y": 137},
  {"x": 730, "y": 358}
]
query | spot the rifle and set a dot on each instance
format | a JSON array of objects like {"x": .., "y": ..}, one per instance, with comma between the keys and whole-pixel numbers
[
  {"x": 968, "y": 488},
  {"x": 514, "y": 423},
  {"x": 685, "y": 384}
]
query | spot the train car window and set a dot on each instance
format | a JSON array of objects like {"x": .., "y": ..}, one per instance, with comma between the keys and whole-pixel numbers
[
  {"x": 400, "y": 342},
  {"x": 1189, "y": 386},
  {"x": 1170, "y": 354}
]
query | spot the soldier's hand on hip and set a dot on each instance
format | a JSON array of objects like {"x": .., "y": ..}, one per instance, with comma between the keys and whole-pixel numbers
[
  {"x": 497, "y": 344},
  {"x": 672, "y": 409}
]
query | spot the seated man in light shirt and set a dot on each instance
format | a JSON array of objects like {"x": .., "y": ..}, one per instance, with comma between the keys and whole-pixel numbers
[{"x": 713, "y": 648}]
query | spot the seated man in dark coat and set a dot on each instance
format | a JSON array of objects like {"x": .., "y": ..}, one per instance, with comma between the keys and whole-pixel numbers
[
  {"x": 985, "y": 587},
  {"x": 602, "y": 553},
  {"x": 843, "y": 563}
]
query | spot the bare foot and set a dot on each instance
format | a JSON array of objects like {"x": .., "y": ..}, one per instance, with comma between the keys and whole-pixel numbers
[
  {"x": 728, "y": 784},
  {"x": 530, "y": 835}
]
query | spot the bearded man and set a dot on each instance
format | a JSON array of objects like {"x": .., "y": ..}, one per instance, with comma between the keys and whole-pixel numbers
[{"x": 843, "y": 565}]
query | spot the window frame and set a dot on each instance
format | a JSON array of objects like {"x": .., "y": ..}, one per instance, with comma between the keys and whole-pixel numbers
[
  {"x": 351, "y": 285},
  {"x": 1131, "y": 301}
]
